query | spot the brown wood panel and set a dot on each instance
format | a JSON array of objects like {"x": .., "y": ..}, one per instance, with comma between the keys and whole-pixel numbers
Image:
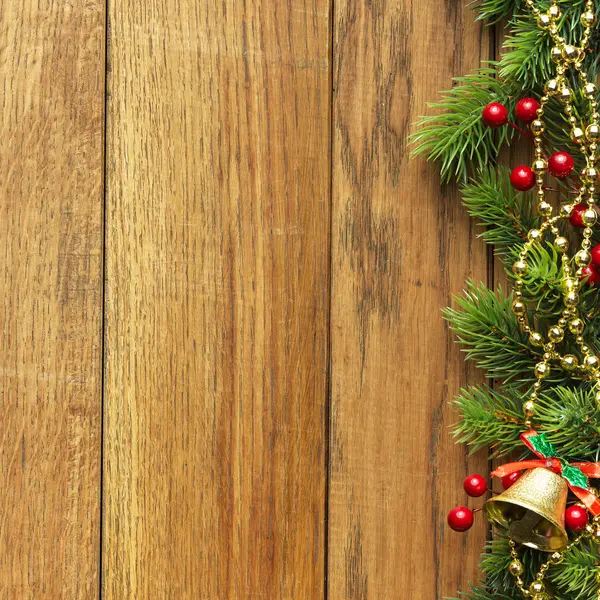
[
  {"x": 51, "y": 173},
  {"x": 218, "y": 206},
  {"x": 402, "y": 244}
]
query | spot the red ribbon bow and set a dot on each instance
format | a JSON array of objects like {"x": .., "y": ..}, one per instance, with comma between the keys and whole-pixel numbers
[{"x": 557, "y": 465}]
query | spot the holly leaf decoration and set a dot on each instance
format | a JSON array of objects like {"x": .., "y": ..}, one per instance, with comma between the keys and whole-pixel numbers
[
  {"x": 542, "y": 446},
  {"x": 575, "y": 476}
]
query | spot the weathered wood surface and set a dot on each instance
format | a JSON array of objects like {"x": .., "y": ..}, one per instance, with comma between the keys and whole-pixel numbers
[
  {"x": 217, "y": 300},
  {"x": 51, "y": 169},
  {"x": 276, "y": 370},
  {"x": 401, "y": 245}
]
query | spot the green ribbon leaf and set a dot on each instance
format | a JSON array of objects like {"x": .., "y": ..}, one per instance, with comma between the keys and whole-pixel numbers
[
  {"x": 574, "y": 476},
  {"x": 542, "y": 446}
]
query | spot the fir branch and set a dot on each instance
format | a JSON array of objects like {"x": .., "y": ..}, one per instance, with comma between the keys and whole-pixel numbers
[
  {"x": 496, "y": 559},
  {"x": 570, "y": 417},
  {"x": 457, "y": 137},
  {"x": 481, "y": 593},
  {"x": 575, "y": 577},
  {"x": 506, "y": 214},
  {"x": 490, "y": 334},
  {"x": 493, "y": 11},
  {"x": 488, "y": 419}
]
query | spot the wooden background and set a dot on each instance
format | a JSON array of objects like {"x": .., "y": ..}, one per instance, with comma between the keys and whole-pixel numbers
[{"x": 223, "y": 370}]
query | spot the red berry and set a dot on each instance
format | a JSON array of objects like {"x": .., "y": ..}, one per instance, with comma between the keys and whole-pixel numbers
[
  {"x": 575, "y": 218},
  {"x": 596, "y": 255},
  {"x": 522, "y": 178},
  {"x": 526, "y": 109},
  {"x": 475, "y": 485},
  {"x": 510, "y": 479},
  {"x": 495, "y": 115},
  {"x": 561, "y": 164},
  {"x": 590, "y": 275},
  {"x": 460, "y": 518},
  {"x": 576, "y": 518}
]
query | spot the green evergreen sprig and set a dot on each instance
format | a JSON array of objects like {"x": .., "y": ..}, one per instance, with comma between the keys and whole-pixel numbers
[
  {"x": 456, "y": 136},
  {"x": 505, "y": 215}
]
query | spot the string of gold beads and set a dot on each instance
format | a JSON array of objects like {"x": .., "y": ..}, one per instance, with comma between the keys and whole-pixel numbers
[{"x": 565, "y": 56}]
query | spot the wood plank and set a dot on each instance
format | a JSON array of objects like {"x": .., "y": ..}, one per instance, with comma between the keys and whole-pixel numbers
[
  {"x": 401, "y": 246},
  {"x": 51, "y": 174},
  {"x": 217, "y": 299}
]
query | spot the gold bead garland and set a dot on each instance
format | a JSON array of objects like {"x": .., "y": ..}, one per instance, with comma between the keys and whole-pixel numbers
[
  {"x": 586, "y": 135},
  {"x": 566, "y": 57}
]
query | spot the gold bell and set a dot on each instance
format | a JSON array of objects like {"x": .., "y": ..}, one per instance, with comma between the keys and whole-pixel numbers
[{"x": 532, "y": 510}]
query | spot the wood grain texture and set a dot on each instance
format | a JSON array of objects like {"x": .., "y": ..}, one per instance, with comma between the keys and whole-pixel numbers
[
  {"x": 217, "y": 299},
  {"x": 51, "y": 172},
  {"x": 401, "y": 245}
]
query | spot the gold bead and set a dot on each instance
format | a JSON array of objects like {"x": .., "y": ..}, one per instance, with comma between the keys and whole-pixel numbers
[
  {"x": 535, "y": 235},
  {"x": 577, "y": 135},
  {"x": 570, "y": 53},
  {"x": 589, "y": 216},
  {"x": 591, "y": 362},
  {"x": 539, "y": 165},
  {"x": 556, "y": 334},
  {"x": 542, "y": 370},
  {"x": 537, "y": 587},
  {"x": 565, "y": 94},
  {"x": 556, "y": 557},
  {"x": 544, "y": 21},
  {"x": 583, "y": 258},
  {"x": 571, "y": 299},
  {"x": 519, "y": 308},
  {"x": 537, "y": 127},
  {"x": 520, "y": 267},
  {"x": 576, "y": 326},
  {"x": 588, "y": 19},
  {"x": 554, "y": 12},
  {"x": 536, "y": 339},
  {"x": 589, "y": 90},
  {"x": 561, "y": 244},
  {"x": 516, "y": 568},
  {"x": 569, "y": 362},
  {"x": 551, "y": 86},
  {"x": 566, "y": 210},
  {"x": 544, "y": 208},
  {"x": 529, "y": 408},
  {"x": 592, "y": 132}
]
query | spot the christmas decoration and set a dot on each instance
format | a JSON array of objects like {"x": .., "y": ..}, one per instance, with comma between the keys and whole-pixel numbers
[
  {"x": 511, "y": 478},
  {"x": 522, "y": 178},
  {"x": 540, "y": 342},
  {"x": 590, "y": 275},
  {"x": 460, "y": 518},
  {"x": 561, "y": 164},
  {"x": 576, "y": 518},
  {"x": 526, "y": 109},
  {"x": 495, "y": 115},
  {"x": 576, "y": 216},
  {"x": 475, "y": 486}
]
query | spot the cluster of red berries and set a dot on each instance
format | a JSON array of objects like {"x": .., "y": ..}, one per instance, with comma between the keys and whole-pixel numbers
[
  {"x": 560, "y": 165},
  {"x": 461, "y": 518}
]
